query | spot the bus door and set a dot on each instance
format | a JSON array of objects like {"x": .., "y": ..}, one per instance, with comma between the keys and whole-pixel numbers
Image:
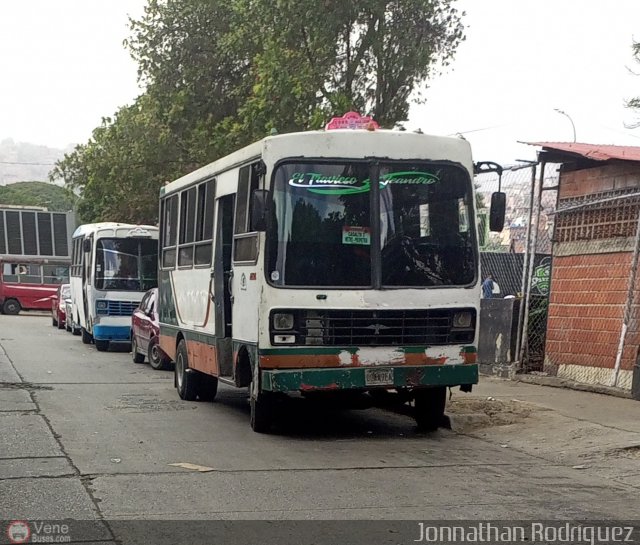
[
  {"x": 87, "y": 258},
  {"x": 222, "y": 284}
]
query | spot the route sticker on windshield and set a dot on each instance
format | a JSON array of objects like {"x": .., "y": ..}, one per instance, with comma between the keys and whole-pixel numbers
[{"x": 356, "y": 235}]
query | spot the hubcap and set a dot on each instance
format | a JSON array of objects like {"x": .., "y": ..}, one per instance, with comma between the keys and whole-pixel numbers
[
  {"x": 179, "y": 370},
  {"x": 155, "y": 354}
]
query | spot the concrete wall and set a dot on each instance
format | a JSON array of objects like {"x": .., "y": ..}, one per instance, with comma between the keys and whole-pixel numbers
[{"x": 498, "y": 331}]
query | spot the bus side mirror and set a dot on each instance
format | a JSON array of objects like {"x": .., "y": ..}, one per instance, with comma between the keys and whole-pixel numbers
[
  {"x": 86, "y": 245},
  {"x": 498, "y": 210},
  {"x": 259, "y": 204}
]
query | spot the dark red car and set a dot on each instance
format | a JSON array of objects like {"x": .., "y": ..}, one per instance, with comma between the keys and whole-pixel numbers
[
  {"x": 145, "y": 331},
  {"x": 59, "y": 306}
]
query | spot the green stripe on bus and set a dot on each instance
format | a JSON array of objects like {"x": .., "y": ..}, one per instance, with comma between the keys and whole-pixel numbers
[{"x": 356, "y": 378}]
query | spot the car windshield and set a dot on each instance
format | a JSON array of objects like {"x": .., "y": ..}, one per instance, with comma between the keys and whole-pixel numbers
[
  {"x": 128, "y": 264},
  {"x": 322, "y": 223}
]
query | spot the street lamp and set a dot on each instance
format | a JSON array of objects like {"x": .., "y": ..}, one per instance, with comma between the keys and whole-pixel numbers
[{"x": 569, "y": 118}]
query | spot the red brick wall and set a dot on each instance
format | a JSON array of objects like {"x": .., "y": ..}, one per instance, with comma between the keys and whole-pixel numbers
[
  {"x": 598, "y": 180},
  {"x": 586, "y": 304}
]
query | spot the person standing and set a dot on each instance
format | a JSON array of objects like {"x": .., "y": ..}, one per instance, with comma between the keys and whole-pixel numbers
[{"x": 487, "y": 287}]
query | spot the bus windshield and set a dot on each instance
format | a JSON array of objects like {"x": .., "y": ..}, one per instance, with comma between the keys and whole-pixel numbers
[
  {"x": 322, "y": 223},
  {"x": 128, "y": 264}
]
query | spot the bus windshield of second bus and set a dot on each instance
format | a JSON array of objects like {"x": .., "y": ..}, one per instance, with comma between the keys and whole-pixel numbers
[
  {"x": 323, "y": 225},
  {"x": 127, "y": 264}
]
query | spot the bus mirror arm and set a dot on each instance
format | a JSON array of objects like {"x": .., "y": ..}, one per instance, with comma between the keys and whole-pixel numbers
[{"x": 259, "y": 204}]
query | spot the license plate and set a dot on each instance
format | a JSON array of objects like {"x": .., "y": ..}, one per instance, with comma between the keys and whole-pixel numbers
[{"x": 378, "y": 377}]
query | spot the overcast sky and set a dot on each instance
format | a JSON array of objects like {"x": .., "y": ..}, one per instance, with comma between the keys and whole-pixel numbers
[{"x": 63, "y": 67}]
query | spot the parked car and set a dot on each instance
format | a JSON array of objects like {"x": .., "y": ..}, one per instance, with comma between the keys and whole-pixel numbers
[
  {"x": 145, "y": 333},
  {"x": 59, "y": 307},
  {"x": 69, "y": 324}
]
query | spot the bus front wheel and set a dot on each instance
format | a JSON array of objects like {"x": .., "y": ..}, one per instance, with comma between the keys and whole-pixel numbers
[
  {"x": 11, "y": 306},
  {"x": 86, "y": 336},
  {"x": 429, "y": 407},
  {"x": 261, "y": 412}
]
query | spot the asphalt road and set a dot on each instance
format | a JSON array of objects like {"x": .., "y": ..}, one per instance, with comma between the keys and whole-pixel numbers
[{"x": 92, "y": 436}]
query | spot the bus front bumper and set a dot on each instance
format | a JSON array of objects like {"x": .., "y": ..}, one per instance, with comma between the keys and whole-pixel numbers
[
  {"x": 111, "y": 333},
  {"x": 365, "y": 378}
]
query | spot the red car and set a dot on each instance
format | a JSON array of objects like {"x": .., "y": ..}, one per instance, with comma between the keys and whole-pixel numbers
[
  {"x": 59, "y": 306},
  {"x": 145, "y": 332}
]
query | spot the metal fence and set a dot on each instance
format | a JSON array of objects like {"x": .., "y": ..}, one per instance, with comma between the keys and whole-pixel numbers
[{"x": 519, "y": 258}]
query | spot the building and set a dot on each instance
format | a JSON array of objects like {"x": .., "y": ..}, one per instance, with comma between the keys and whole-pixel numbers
[{"x": 593, "y": 328}]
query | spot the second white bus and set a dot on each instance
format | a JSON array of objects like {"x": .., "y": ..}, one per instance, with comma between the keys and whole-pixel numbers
[{"x": 113, "y": 265}]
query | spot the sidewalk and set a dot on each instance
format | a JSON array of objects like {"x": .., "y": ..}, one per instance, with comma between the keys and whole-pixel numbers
[
  {"x": 586, "y": 431},
  {"x": 615, "y": 412}
]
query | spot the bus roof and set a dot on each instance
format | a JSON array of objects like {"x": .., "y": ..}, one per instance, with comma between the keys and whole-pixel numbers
[
  {"x": 342, "y": 144},
  {"x": 89, "y": 228}
]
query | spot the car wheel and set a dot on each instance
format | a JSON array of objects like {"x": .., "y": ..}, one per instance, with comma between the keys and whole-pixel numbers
[
  {"x": 157, "y": 358},
  {"x": 54, "y": 322},
  {"x": 135, "y": 355},
  {"x": 11, "y": 306},
  {"x": 59, "y": 323}
]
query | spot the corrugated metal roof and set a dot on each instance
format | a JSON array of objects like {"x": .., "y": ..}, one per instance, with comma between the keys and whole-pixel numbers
[{"x": 595, "y": 152}]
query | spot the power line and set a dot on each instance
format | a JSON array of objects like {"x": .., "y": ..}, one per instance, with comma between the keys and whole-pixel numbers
[{"x": 21, "y": 163}]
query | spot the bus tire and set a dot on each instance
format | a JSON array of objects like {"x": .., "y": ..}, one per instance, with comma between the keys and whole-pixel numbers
[
  {"x": 135, "y": 355},
  {"x": 87, "y": 338},
  {"x": 185, "y": 378},
  {"x": 429, "y": 407},
  {"x": 207, "y": 387},
  {"x": 261, "y": 412},
  {"x": 101, "y": 346},
  {"x": 11, "y": 306}
]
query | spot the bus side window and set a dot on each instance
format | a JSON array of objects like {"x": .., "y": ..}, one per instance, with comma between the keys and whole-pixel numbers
[
  {"x": 245, "y": 243},
  {"x": 204, "y": 224},
  {"x": 169, "y": 229}
]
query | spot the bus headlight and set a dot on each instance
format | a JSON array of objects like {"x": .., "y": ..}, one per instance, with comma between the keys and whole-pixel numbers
[
  {"x": 282, "y": 321},
  {"x": 102, "y": 307},
  {"x": 462, "y": 319}
]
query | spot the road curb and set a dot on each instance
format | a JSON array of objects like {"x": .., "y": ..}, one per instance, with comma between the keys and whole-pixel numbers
[{"x": 557, "y": 382}]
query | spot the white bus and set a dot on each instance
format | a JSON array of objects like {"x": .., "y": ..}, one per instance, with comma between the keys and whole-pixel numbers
[
  {"x": 322, "y": 262},
  {"x": 113, "y": 265}
]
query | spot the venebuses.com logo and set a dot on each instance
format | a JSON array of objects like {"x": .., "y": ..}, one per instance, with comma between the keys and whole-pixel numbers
[
  {"x": 22, "y": 531},
  {"x": 18, "y": 531}
]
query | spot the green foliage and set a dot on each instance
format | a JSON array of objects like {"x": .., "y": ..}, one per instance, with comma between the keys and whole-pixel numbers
[
  {"x": 43, "y": 194},
  {"x": 634, "y": 103},
  {"x": 220, "y": 75}
]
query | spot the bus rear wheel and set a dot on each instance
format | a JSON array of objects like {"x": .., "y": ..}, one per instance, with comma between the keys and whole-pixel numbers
[
  {"x": 11, "y": 306},
  {"x": 429, "y": 407},
  {"x": 185, "y": 379}
]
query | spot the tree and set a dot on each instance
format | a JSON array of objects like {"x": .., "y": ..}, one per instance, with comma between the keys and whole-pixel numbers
[
  {"x": 634, "y": 103},
  {"x": 220, "y": 75},
  {"x": 43, "y": 194}
]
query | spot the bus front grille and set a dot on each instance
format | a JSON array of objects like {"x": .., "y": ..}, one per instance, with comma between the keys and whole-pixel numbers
[
  {"x": 379, "y": 327},
  {"x": 121, "y": 308}
]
